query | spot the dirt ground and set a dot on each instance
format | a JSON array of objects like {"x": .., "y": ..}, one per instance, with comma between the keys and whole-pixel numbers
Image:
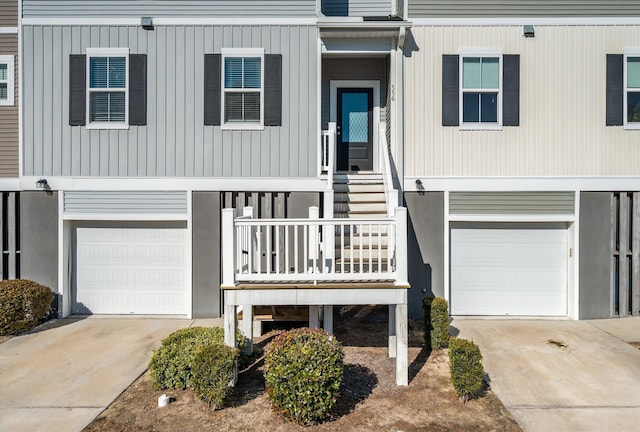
[{"x": 369, "y": 399}]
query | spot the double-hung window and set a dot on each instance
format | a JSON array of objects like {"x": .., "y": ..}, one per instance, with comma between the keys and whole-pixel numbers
[
  {"x": 107, "y": 88},
  {"x": 632, "y": 89},
  {"x": 243, "y": 88},
  {"x": 481, "y": 90},
  {"x": 6, "y": 80}
]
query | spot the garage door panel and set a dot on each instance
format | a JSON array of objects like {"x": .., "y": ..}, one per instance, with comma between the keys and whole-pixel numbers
[
  {"x": 134, "y": 269},
  {"x": 509, "y": 270}
]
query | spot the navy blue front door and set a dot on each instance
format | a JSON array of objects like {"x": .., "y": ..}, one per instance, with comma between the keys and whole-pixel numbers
[{"x": 355, "y": 129}]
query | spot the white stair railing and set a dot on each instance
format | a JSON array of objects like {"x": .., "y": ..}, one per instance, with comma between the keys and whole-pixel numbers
[
  {"x": 289, "y": 250},
  {"x": 391, "y": 194}
]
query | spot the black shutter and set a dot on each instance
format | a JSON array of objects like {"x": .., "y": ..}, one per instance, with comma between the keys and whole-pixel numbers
[
  {"x": 138, "y": 89},
  {"x": 77, "y": 90},
  {"x": 273, "y": 90},
  {"x": 212, "y": 91},
  {"x": 450, "y": 90},
  {"x": 511, "y": 90},
  {"x": 615, "y": 92}
]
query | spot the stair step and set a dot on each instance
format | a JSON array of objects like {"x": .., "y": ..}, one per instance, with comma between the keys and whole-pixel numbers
[
  {"x": 358, "y": 178},
  {"x": 366, "y": 253},
  {"x": 374, "y": 229},
  {"x": 355, "y": 241},
  {"x": 341, "y": 197},
  {"x": 360, "y": 207},
  {"x": 351, "y": 215}
]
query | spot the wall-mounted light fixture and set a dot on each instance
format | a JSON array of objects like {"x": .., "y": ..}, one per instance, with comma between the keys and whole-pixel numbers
[
  {"x": 528, "y": 31},
  {"x": 42, "y": 184},
  {"x": 146, "y": 23}
]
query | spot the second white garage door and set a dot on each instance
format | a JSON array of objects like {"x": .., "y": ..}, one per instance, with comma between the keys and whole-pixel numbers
[
  {"x": 130, "y": 268},
  {"x": 509, "y": 269}
]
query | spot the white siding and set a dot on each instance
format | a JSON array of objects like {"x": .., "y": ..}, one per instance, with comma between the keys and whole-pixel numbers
[{"x": 562, "y": 128}]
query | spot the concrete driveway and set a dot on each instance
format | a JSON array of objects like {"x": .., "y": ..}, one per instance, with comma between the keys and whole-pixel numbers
[
  {"x": 61, "y": 378},
  {"x": 562, "y": 375}
]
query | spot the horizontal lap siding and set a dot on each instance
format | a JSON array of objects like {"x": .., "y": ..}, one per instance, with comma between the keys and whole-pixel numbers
[
  {"x": 562, "y": 128},
  {"x": 8, "y": 13},
  {"x": 511, "y": 203},
  {"x": 175, "y": 142},
  {"x": 9, "y": 115},
  {"x": 147, "y": 202},
  {"x": 356, "y": 8},
  {"x": 522, "y": 8},
  {"x": 168, "y": 8}
]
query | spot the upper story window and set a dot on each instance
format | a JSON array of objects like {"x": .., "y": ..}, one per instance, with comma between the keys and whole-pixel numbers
[
  {"x": 632, "y": 88},
  {"x": 7, "y": 83},
  {"x": 243, "y": 84},
  {"x": 107, "y": 88},
  {"x": 481, "y": 90}
]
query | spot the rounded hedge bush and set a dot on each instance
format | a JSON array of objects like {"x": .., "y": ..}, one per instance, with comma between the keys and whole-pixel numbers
[
  {"x": 213, "y": 371},
  {"x": 436, "y": 322},
  {"x": 303, "y": 373},
  {"x": 465, "y": 364},
  {"x": 23, "y": 305},
  {"x": 170, "y": 365}
]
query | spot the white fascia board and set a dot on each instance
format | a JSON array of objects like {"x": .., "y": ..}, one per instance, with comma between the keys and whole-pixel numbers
[
  {"x": 256, "y": 184},
  {"x": 10, "y": 184},
  {"x": 491, "y": 184},
  {"x": 511, "y": 218},
  {"x": 519, "y": 21},
  {"x": 317, "y": 296},
  {"x": 122, "y": 21},
  {"x": 8, "y": 30}
]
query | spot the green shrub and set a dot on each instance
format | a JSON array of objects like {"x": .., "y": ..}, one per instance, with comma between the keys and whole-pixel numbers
[
  {"x": 465, "y": 364},
  {"x": 436, "y": 322},
  {"x": 303, "y": 372},
  {"x": 23, "y": 305},
  {"x": 170, "y": 365},
  {"x": 212, "y": 370}
]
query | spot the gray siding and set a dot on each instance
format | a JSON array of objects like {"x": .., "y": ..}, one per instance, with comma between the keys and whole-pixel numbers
[
  {"x": 425, "y": 247},
  {"x": 206, "y": 255},
  {"x": 522, "y": 8},
  {"x": 168, "y": 8},
  {"x": 353, "y": 69},
  {"x": 145, "y": 202},
  {"x": 595, "y": 255},
  {"x": 8, "y": 13},
  {"x": 518, "y": 203},
  {"x": 356, "y": 8},
  {"x": 9, "y": 114},
  {"x": 175, "y": 141}
]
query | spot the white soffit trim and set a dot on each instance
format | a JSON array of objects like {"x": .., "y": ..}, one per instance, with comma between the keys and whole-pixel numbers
[
  {"x": 255, "y": 184},
  {"x": 518, "y": 21},
  {"x": 158, "y": 21},
  {"x": 488, "y": 184}
]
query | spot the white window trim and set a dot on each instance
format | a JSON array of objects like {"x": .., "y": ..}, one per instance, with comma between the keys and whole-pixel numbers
[
  {"x": 11, "y": 83},
  {"x": 479, "y": 52},
  {"x": 242, "y": 52},
  {"x": 107, "y": 52},
  {"x": 628, "y": 52}
]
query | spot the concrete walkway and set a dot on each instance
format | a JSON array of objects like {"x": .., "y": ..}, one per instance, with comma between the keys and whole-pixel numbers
[
  {"x": 61, "y": 378},
  {"x": 562, "y": 375}
]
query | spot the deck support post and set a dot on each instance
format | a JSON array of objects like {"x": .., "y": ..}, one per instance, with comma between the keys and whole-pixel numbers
[
  {"x": 327, "y": 320},
  {"x": 402, "y": 353},
  {"x": 247, "y": 327},
  {"x": 230, "y": 329},
  {"x": 392, "y": 331},
  {"x": 314, "y": 316}
]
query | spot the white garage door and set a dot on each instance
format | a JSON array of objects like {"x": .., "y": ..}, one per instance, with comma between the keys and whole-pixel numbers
[
  {"x": 509, "y": 269},
  {"x": 132, "y": 268}
]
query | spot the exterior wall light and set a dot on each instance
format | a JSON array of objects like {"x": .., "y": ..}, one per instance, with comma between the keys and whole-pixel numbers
[
  {"x": 146, "y": 23},
  {"x": 42, "y": 184},
  {"x": 528, "y": 31}
]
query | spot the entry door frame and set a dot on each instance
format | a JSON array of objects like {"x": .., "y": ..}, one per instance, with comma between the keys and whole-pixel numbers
[{"x": 333, "y": 114}]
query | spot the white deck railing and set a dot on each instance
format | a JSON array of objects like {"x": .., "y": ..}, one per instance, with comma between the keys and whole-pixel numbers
[
  {"x": 313, "y": 250},
  {"x": 391, "y": 194}
]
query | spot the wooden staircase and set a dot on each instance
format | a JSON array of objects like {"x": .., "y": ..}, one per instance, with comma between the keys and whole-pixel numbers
[{"x": 360, "y": 196}]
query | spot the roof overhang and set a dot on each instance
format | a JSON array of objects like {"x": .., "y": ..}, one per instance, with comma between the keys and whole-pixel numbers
[{"x": 363, "y": 29}]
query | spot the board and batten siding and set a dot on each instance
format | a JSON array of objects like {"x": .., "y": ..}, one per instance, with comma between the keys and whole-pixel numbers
[
  {"x": 9, "y": 114},
  {"x": 168, "y": 8},
  {"x": 562, "y": 128},
  {"x": 522, "y": 8},
  {"x": 8, "y": 13},
  {"x": 356, "y": 8},
  {"x": 175, "y": 142}
]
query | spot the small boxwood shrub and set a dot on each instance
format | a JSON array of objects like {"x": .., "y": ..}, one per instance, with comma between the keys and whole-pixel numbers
[
  {"x": 23, "y": 305},
  {"x": 465, "y": 364},
  {"x": 436, "y": 322},
  {"x": 303, "y": 372},
  {"x": 170, "y": 365},
  {"x": 212, "y": 370}
]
